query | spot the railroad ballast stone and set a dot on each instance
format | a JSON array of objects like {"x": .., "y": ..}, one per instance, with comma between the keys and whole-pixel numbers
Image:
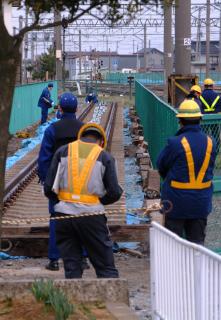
[{"x": 150, "y": 178}]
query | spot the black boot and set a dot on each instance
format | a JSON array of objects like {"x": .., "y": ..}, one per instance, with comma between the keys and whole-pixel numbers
[{"x": 52, "y": 265}]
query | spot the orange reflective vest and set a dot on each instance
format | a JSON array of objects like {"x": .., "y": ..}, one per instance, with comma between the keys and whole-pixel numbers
[
  {"x": 195, "y": 182},
  {"x": 82, "y": 157}
]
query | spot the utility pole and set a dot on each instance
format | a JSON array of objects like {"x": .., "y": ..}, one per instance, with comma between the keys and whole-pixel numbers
[
  {"x": 137, "y": 64},
  {"x": 26, "y": 48},
  {"x": 219, "y": 68},
  {"x": 58, "y": 48},
  {"x": 21, "y": 51},
  {"x": 168, "y": 46},
  {"x": 109, "y": 61},
  {"x": 145, "y": 48},
  {"x": 183, "y": 37},
  {"x": 207, "y": 37},
  {"x": 198, "y": 36},
  {"x": 107, "y": 44},
  {"x": 79, "y": 52}
]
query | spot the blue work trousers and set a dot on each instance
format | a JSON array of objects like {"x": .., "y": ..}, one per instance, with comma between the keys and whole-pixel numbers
[
  {"x": 44, "y": 114},
  {"x": 53, "y": 253}
]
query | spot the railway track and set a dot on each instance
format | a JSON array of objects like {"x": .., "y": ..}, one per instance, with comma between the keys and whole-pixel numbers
[
  {"x": 21, "y": 174},
  {"x": 24, "y": 199}
]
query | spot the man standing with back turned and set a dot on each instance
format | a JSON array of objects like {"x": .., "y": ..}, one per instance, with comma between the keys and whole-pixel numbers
[
  {"x": 56, "y": 135},
  {"x": 186, "y": 164},
  {"x": 83, "y": 178}
]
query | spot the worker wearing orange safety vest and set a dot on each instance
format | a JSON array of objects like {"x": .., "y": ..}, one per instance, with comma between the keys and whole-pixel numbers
[
  {"x": 186, "y": 165},
  {"x": 83, "y": 179}
]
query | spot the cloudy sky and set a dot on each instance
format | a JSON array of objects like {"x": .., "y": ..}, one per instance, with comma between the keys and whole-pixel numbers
[{"x": 125, "y": 39}]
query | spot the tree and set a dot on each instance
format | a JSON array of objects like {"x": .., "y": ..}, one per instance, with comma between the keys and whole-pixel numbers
[
  {"x": 46, "y": 62},
  {"x": 106, "y": 10}
]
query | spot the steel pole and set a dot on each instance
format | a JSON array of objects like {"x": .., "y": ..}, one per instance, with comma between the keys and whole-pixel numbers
[
  {"x": 145, "y": 48},
  {"x": 168, "y": 46},
  {"x": 183, "y": 38},
  {"x": 207, "y": 37},
  {"x": 220, "y": 39},
  {"x": 58, "y": 48},
  {"x": 79, "y": 52}
]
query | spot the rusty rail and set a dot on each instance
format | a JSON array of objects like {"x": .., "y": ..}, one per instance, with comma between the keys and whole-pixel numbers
[{"x": 24, "y": 177}]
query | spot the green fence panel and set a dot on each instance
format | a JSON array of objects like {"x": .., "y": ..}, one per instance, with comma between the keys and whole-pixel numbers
[
  {"x": 145, "y": 78},
  {"x": 25, "y": 110},
  {"x": 159, "y": 122},
  {"x": 157, "y": 117}
]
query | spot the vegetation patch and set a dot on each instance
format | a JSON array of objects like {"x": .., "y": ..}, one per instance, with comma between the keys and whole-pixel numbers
[{"x": 46, "y": 302}]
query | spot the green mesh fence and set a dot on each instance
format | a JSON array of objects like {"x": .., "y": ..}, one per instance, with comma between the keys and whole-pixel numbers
[
  {"x": 25, "y": 109},
  {"x": 145, "y": 78},
  {"x": 155, "y": 77},
  {"x": 157, "y": 117},
  {"x": 159, "y": 122}
]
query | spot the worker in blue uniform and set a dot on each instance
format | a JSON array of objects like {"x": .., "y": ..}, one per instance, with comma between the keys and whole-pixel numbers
[
  {"x": 195, "y": 93},
  {"x": 211, "y": 104},
  {"x": 91, "y": 98},
  {"x": 45, "y": 102},
  {"x": 186, "y": 165},
  {"x": 210, "y": 99},
  {"x": 56, "y": 135}
]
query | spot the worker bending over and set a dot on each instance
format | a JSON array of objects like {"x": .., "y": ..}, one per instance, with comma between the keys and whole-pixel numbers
[
  {"x": 91, "y": 98},
  {"x": 186, "y": 165},
  {"x": 45, "y": 102},
  {"x": 83, "y": 178}
]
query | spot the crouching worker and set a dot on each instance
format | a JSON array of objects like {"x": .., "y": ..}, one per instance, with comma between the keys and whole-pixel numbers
[
  {"x": 186, "y": 164},
  {"x": 83, "y": 178}
]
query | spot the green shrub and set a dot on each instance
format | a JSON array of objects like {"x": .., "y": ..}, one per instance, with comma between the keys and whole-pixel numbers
[{"x": 53, "y": 297}]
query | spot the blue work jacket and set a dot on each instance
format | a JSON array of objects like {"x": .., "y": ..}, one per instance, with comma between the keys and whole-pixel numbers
[
  {"x": 210, "y": 97},
  {"x": 91, "y": 98},
  {"x": 48, "y": 147},
  {"x": 186, "y": 164},
  {"x": 45, "y": 100}
]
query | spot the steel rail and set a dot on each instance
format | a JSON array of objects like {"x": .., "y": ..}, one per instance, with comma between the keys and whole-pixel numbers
[{"x": 22, "y": 179}]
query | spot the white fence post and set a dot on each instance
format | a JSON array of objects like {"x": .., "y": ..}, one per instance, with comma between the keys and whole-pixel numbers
[
  {"x": 152, "y": 274},
  {"x": 198, "y": 273},
  {"x": 185, "y": 272}
]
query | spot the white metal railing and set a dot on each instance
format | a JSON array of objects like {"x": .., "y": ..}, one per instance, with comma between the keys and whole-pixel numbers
[{"x": 185, "y": 278}]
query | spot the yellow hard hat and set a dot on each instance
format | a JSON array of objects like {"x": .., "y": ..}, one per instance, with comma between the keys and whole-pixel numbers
[
  {"x": 189, "y": 109},
  {"x": 196, "y": 88},
  {"x": 208, "y": 82},
  {"x": 93, "y": 127}
]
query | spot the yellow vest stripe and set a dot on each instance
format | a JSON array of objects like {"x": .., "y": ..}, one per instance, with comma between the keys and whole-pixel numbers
[
  {"x": 206, "y": 161},
  {"x": 73, "y": 191},
  {"x": 193, "y": 182},
  {"x": 208, "y": 107},
  {"x": 189, "y": 158}
]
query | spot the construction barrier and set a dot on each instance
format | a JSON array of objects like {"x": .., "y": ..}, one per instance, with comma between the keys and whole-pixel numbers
[
  {"x": 25, "y": 111},
  {"x": 159, "y": 123},
  {"x": 185, "y": 278}
]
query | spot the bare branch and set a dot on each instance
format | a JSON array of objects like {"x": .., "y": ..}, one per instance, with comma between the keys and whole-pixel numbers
[{"x": 36, "y": 26}]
